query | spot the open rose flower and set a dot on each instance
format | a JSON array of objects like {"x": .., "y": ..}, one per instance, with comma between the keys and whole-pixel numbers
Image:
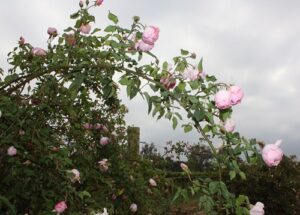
[
  {"x": 169, "y": 82},
  {"x": 11, "y": 151},
  {"x": 229, "y": 125},
  {"x": 104, "y": 141},
  {"x": 103, "y": 165},
  {"x": 150, "y": 34},
  {"x": 191, "y": 74},
  {"x": 237, "y": 94},
  {"x": 152, "y": 182},
  {"x": 38, "y": 52},
  {"x": 104, "y": 212},
  {"x": 257, "y": 209},
  {"x": 60, "y": 207},
  {"x": 133, "y": 207},
  {"x": 142, "y": 46},
  {"x": 272, "y": 154},
  {"x": 85, "y": 28},
  {"x": 223, "y": 99},
  {"x": 87, "y": 126}
]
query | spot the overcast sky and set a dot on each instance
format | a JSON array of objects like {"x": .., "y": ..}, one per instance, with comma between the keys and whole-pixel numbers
[{"x": 254, "y": 44}]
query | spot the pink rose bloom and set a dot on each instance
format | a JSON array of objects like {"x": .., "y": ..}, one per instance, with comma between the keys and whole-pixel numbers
[
  {"x": 169, "y": 82},
  {"x": 152, "y": 182},
  {"x": 87, "y": 126},
  {"x": 104, "y": 141},
  {"x": 223, "y": 99},
  {"x": 142, "y": 46},
  {"x": 257, "y": 209},
  {"x": 236, "y": 94},
  {"x": 11, "y": 151},
  {"x": 191, "y": 74},
  {"x": 184, "y": 167},
  {"x": 99, "y": 2},
  {"x": 76, "y": 175},
  {"x": 60, "y": 207},
  {"x": 85, "y": 29},
  {"x": 272, "y": 154},
  {"x": 133, "y": 208},
  {"x": 52, "y": 31},
  {"x": 229, "y": 125},
  {"x": 103, "y": 164},
  {"x": 150, "y": 34},
  {"x": 38, "y": 51}
]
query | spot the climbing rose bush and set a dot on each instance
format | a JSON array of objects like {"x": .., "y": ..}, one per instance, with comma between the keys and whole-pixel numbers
[{"x": 63, "y": 134}]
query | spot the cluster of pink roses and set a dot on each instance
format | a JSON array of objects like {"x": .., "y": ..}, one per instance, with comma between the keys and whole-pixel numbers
[
  {"x": 97, "y": 126},
  {"x": 226, "y": 98},
  {"x": 150, "y": 35}
]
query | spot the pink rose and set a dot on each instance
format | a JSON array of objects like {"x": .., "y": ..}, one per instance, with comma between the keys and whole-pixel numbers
[
  {"x": 103, "y": 164},
  {"x": 150, "y": 34},
  {"x": 38, "y": 52},
  {"x": 223, "y": 99},
  {"x": 52, "y": 31},
  {"x": 142, "y": 46},
  {"x": 104, "y": 141},
  {"x": 236, "y": 94},
  {"x": 257, "y": 209},
  {"x": 81, "y": 3},
  {"x": 169, "y": 82},
  {"x": 184, "y": 167},
  {"x": 191, "y": 74},
  {"x": 229, "y": 125},
  {"x": 272, "y": 154},
  {"x": 152, "y": 182},
  {"x": 99, "y": 2},
  {"x": 60, "y": 207},
  {"x": 11, "y": 151},
  {"x": 87, "y": 126},
  {"x": 133, "y": 208},
  {"x": 203, "y": 75},
  {"x": 85, "y": 29}
]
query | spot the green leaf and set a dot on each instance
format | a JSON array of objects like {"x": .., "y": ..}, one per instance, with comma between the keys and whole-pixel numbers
[
  {"x": 84, "y": 194},
  {"x": 184, "y": 52},
  {"x": 200, "y": 65},
  {"x": 175, "y": 122},
  {"x": 75, "y": 15},
  {"x": 209, "y": 117},
  {"x": 110, "y": 28},
  {"x": 113, "y": 17},
  {"x": 148, "y": 101},
  {"x": 232, "y": 174},
  {"x": 199, "y": 115},
  {"x": 188, "y": 128}
]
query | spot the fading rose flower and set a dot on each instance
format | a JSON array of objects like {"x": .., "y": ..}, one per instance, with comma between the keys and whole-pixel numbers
[
  {"x": 87, "y": 126},
  {"x": 229, "y": 125},
  {"x": 52, "y": 31},
  {"x": 60, "y": 207},
  {"x": 272, "y": 154},
  {"x": 142, "y": 46},
  {"x": 169, "y": 82},
  {"x": 38, "y": 52},
  {"x": 70, "y": 39},
  {"x": 236, "y": 94},
  {"x": 150, "y": 34},
  {"x": 223, "y": 99},
  {"x": 75, "y": 175},
  {"x": 11, "y": 151},
  {"x": 21, "y": 41},
  {"x": 21, "y": 132},
  {"x": 103, "y": 164},
  {"x": 152, "y": 182},
  {"x": 104, "y": 141},
  {"x": 99, "y": 2},
  {"x": 257, "y": 209},
  {"x": 85, "y": 29},
  {"x": 133, "y": 207},
  {"x": 104, "y": 212},
  {"x": 184, "y": 167},
  {"x": 191, "y": 74}
]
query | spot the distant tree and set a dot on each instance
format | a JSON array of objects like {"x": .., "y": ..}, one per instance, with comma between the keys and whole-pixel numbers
[{"x": 199, "y": 157}]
